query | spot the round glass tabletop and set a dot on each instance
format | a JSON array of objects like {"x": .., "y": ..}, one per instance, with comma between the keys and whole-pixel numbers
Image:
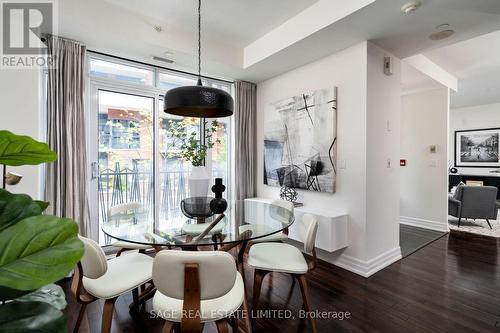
[{"x": 243, "y": 220}]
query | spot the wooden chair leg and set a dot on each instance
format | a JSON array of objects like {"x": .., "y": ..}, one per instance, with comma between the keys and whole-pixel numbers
[
  {"x": 168, "y": 327},
  {"x": 107, "y": 315},
  {"x": 233, "y": 321},
  {"x": 489, "y": 223},
  {"x": 257, "y": 285},
  {"x": 135, "y": 296},
  {"x": 459, "y": 219},
  {"x": 222, "y": 326},
  {"x": 80, "y": 317},
  {"x": 305, "y": 297}
]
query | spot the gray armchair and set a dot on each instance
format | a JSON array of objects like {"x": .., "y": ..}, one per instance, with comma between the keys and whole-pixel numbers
[{"x": 474, "y": 202}]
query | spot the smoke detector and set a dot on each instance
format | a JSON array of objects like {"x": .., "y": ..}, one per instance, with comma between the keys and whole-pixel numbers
[{"x": 410, "y": 7}]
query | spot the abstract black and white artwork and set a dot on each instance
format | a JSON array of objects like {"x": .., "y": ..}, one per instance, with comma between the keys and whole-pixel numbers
[
  {"x": 477, "y": 148},
  {"x": 300, "y": 141}
]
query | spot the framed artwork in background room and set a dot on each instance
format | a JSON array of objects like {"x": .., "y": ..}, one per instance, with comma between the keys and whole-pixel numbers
[{"x": 477, "y": 148}]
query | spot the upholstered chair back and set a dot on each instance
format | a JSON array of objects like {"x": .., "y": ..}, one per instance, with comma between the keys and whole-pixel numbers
[
  {"x": 94, "y": 263},
  {"x": 217, "y": 272},
  {"x": 284, "y": 204},
  {"x": 308, "y": 227},
  {"x": 124, "y": 208},
  {"x": 479, "y": 201},
  {"x": 281, "y": 210}
]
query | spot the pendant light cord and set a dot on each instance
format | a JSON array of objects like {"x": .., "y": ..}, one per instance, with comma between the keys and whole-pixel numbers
[{"x": 199, "y": 42}]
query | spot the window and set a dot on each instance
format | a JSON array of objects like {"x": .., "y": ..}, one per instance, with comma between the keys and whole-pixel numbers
[
  {"x": 119, "y": 72},
  {"x": 168, "y": 81},
  {"x": 137, "y": 160}
]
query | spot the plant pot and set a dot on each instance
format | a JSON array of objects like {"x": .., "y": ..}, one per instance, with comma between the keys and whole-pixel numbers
[{"x": 198, "y": 182}]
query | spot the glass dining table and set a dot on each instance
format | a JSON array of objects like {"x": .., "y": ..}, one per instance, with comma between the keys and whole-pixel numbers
[
  {"x": 195, "y": 227},
  {"x": 242, "y": 222}
]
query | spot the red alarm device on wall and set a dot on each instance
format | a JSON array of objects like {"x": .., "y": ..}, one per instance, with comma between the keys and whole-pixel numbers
[{"x": 402, "y": 162}]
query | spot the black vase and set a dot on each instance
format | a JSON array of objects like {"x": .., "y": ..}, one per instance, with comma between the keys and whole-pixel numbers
[{"x": 219, "y": 204}]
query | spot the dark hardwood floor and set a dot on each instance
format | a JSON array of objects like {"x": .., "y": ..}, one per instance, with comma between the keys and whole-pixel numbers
[
  {"x": 412, "y": 238},
  {"x": 451, "y": 285}
]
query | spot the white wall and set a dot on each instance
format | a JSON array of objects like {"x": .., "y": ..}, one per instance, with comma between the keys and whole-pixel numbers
[
  {"x": 348, "y": 70},
  {"x": 475, "y": 117},
  {"x": 20, "y": 114},
  {"x": 382, "y": 158},
  {"x": 424, "y": 180}
]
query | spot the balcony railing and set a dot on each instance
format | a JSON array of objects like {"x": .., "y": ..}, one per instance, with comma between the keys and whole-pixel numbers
[{"x": 121, "y": 185}]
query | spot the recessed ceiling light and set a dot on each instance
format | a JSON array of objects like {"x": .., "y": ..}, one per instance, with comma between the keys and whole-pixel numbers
[
  {"x": 410, "y": 7},
  {"x": 443, "y": 31}
]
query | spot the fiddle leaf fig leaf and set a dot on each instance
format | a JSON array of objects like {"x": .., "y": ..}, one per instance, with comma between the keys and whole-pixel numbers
[
  {"x": 18, "y": 150},
  {"x": 37, "y": 251},
  {"x": 42, "y": 204},
  {"x": 31, "y": 317},
  {"x": 51, "y": 293},
  {"x": 16, "y": 207}
]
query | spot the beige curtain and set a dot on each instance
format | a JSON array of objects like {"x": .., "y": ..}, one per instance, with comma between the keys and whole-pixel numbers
[
  {"x": 245, "y": 118},
  {"x": 66, "y": 179}
]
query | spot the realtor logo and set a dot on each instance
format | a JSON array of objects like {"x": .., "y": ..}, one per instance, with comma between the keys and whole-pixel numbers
[{"x": 23, "y": 23}]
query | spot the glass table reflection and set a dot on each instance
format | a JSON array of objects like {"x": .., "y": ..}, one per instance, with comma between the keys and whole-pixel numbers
[{"x": 243, "y": 221}]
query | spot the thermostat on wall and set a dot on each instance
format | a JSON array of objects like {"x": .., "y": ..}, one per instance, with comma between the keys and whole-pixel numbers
[{"x": 388, "y": 65}]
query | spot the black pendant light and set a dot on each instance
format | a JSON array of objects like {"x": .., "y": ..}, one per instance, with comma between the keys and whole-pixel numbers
[{"x": 198, "y": 101}]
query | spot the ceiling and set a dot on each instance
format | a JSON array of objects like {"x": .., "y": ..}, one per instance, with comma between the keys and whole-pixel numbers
[
  {"x": 414, "y": 81},
  {"x": 476, "y": 65},
  {"x": 233, "y": 28},
  {"x": 237, "y": 22}
]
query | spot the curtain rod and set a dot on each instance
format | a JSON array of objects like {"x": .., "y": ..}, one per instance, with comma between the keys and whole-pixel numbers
[{"x": 166, "y": 68}]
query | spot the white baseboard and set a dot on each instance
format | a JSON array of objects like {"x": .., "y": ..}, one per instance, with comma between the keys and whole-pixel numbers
[
  {"x": 368, "y": 267},
  {"x": 426, "y": 224}
]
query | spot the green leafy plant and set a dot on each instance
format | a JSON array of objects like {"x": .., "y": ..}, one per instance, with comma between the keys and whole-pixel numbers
[
  {"x": 39, "y": 250},
  {"x": 35, "y": 250},
  {"x": 188, "y": 142},
  {"x": 16, "y": 150},
  {"x": 39, "y": 311}
]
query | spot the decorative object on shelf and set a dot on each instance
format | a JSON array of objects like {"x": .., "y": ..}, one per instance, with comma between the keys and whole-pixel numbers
[
  {"x": 219, "y": 204},
  {"x": 197, "y": 208},
  {"x": 192, "y": 149},
  {"x": 288, "y": 194},
  {"x": 478, "y": 148},
  {"x": 453, "y": 170},
  {"x": 199, "y": 101},
  {"x": 12, "y": 178},
  {"x": 300, "y": 141}
]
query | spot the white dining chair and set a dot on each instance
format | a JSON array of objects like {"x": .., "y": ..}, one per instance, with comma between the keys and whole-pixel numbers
[
  {"x": 285, "y": 258},
  {"x": 204, "y": 283},
  {"x": 123, "y": 210},
  {"x": 96, "y": 278},
  {"x": 260, "y": 227}
]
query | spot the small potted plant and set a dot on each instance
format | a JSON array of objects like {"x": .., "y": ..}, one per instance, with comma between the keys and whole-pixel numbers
[{"x": 191, "y": 148}]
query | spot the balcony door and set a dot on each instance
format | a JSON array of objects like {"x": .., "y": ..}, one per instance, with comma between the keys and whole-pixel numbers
[{"x": 132, "y": 153}]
